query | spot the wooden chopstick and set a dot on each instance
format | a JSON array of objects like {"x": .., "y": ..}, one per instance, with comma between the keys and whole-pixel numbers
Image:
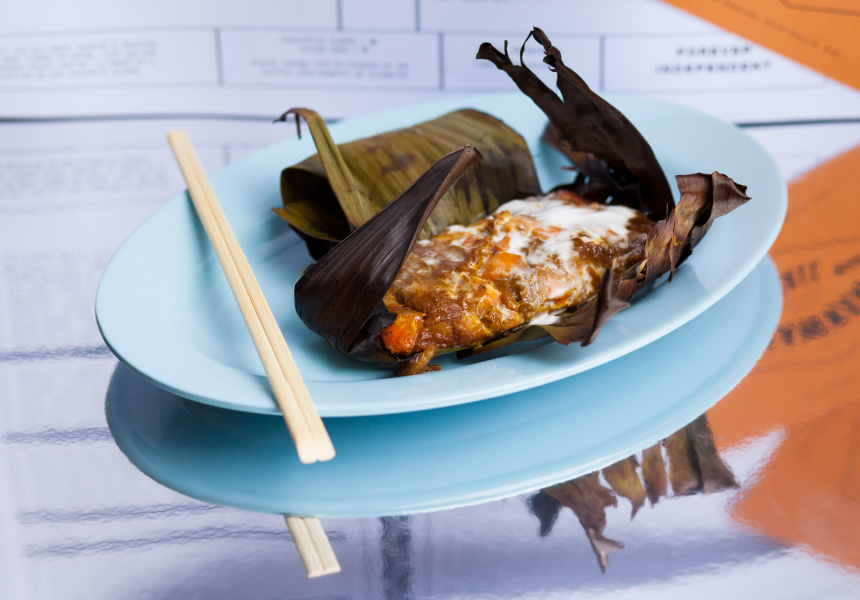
[
  {"x": 304, "y": 423},
  {"x": 313, "y": 545}
]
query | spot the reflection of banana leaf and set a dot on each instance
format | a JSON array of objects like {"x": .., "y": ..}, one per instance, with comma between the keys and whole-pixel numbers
[
  {"x": 693, "y": 465},
  {"x": 588, "y": 499},
  {"x": 343, "y": 184},
  {"x": 624, "y": 481},
  {"x": 683, "y": 470},
  {"x": 654, "y": 473},
  {"x": 714, "y": 473}
]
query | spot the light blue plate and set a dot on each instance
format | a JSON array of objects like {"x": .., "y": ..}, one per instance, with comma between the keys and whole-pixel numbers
[
  {"x": 165, "y": 309},
  {"x": 430, "y": 460}
]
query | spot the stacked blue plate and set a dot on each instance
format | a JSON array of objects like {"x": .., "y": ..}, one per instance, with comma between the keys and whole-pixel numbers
[{"x": 193, "y": 410}]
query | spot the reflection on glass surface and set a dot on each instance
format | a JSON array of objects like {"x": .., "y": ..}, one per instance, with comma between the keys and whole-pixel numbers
[
  {"x": 688, "y": 460},
  {"x": 806, "y": 387}
]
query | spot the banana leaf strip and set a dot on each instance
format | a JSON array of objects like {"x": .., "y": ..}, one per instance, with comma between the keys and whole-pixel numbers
[
  {"x": 335, "y": 191},
  {"x": 362, "y": 267},
  {"x": 356, "y": 205},
  {"x": 609, "y": 152}
]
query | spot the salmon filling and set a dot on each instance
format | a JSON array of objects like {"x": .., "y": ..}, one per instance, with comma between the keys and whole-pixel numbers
[{"x": 526, "y": 263}]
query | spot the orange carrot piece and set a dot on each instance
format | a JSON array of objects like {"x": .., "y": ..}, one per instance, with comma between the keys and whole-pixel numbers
[{"x": 400, "y": 337}]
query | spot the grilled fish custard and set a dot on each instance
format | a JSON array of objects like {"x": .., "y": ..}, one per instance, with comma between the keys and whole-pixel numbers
[{"x": 525, "y": 263}]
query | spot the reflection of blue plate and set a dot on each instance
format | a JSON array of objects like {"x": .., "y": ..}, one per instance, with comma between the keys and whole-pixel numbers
[
  {"x": 419, "y": 461},
  {"x": 165, "y": 309}
]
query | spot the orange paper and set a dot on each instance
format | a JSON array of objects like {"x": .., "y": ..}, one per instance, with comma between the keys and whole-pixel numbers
[
  {"x": 821, "y": 34},
  {"x": 813, "y": 363},
  {"x": 809, "y": 493},
  {"x": 807, "y": 384}
]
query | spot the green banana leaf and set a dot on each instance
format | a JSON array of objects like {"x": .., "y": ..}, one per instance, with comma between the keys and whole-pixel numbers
[{"x": 335, "y": 191}]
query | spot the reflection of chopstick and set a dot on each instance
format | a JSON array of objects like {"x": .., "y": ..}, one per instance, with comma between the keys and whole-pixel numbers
[
  {"x": 313, "y": 546},
  {"x": 305, "y": 426}
]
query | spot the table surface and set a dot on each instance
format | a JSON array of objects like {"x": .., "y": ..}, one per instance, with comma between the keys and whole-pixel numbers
[
  {"x": 766, "y": 505},
  {"x": 771, "y": 508}
]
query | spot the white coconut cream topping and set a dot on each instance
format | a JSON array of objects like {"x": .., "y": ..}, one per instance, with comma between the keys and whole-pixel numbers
[{"x": 597, "y": 221}]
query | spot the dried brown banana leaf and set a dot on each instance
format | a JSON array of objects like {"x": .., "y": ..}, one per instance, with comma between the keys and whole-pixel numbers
[
  {"x": 362, "y": 267},
  {"x": 590, "y": 125},
  {"x": 333, "y": 192},
  {"x": 654, "y": 473},
  {"x": 624, "y": 480},
  {"x": 604, "y": 146}
]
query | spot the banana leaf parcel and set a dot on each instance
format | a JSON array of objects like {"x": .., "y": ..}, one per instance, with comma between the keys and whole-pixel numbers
[{"x": 361, "y": 207}]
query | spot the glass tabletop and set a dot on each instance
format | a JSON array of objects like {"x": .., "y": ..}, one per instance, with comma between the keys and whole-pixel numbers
[{"x": 758, "y": 497}]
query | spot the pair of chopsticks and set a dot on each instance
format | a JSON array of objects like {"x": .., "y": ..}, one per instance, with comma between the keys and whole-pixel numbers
[{"x": 303, "y": 421}]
